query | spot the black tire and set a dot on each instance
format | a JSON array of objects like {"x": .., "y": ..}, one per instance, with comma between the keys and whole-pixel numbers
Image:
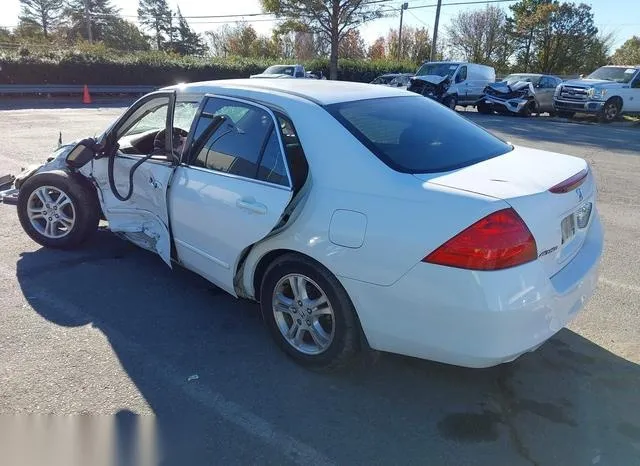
[
  {"x": 610, "y": 111},
  {"x": 450, "y": 101},
  {"x": 563, "y": 114},
  {"x": 86, "y": 208},
  {"x": 528, "y": 109},
  {"x": 484, "y": 108},
  {"x": 345, "y": 345}
]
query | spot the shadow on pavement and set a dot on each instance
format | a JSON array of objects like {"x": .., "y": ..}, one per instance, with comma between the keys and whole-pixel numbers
[{"x": 570, "y": 403}]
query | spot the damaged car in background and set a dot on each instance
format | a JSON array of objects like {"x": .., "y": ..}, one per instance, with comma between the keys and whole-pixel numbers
[
  {"x": 452, "y": 83},
  {"x": 446, "y": 244},
  {"x": 521, "y": 94}
]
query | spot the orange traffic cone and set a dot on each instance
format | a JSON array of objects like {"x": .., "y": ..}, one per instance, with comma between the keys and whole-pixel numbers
[{"x": 86, "y": 98}]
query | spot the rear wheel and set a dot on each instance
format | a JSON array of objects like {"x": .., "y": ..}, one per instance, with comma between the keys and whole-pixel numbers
[
  {"x": 309, "y": 314},
  {"x": 58, "y": 210}
]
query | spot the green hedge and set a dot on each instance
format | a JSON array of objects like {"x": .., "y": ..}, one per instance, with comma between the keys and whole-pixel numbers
[{"x": 155, "y": 68}]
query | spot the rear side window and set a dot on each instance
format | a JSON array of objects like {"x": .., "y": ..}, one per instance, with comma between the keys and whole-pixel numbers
[{"x": 416, "y": 134}]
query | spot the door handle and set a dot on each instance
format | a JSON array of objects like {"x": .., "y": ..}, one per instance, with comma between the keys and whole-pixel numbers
[{"x": 252, "y": 206}]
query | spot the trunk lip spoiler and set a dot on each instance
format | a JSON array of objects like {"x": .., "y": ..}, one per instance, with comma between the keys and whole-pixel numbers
[{"x": 571, "y": 183}]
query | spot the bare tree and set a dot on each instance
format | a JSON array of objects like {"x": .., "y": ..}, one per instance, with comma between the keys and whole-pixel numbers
[
  {"x": 416, "y": 44},
  {"x": 480, "y": 36},
  {"x": 332, "y": 19}
]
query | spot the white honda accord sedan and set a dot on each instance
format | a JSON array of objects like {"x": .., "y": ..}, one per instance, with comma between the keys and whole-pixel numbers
[{"x": 358, "y": 216}]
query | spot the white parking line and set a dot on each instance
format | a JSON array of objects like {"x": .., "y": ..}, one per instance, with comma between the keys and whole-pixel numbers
[{"x": 293, "y": 449}]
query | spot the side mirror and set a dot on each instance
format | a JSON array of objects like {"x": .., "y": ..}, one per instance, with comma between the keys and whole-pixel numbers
[{"x": 81, "y": 154}]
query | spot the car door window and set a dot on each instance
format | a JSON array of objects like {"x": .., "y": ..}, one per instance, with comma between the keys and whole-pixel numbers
[
  {"x": 272, "y": 166},
  {"x": 462, "y": 74},
  {"x": 547, "y": 83},
  {"x": 152, "y": 115},
  {"x": 243, "y": 142}
]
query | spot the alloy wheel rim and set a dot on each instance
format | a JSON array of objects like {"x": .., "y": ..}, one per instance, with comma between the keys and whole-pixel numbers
[
  {"x": 611, "y": 111},
  {"x": 51, "y": 212},
  {"x": 303, "y": 314}
]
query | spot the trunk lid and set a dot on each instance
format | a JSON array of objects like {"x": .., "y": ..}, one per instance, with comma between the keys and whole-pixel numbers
[{"x": 523, "y": 178}]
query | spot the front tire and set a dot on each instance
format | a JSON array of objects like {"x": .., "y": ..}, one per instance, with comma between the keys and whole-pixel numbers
[
  {"x": 58, "y": 210},
  {"x": 483, "y": 108},
  {"x": 528, "y": 109},
  {"x": 610, "y": 111},
  {"x": 451, "y": 101},
  {"x": 309, "y": 314}
]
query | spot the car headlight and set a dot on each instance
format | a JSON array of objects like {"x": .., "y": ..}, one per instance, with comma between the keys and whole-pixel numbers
[
  {"x": 597, "y": 94},
  {"x": 556, "y": 93}
]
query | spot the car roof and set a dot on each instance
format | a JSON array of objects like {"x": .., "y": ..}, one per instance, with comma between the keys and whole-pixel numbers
[{"x": 322, "y": 92}]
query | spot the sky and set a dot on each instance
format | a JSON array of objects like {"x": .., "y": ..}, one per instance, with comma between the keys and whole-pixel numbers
[{"x": 620, "y": 17}]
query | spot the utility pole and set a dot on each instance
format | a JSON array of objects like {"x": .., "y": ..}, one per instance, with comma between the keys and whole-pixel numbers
[
  {"x": 435, "y": 32},
  {"x": 404, "y": 6},
  {"x": 87, "y": 18}
]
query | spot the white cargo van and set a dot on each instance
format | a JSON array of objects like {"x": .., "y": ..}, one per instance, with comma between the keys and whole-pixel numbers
[{"x": 453, "y": 83}]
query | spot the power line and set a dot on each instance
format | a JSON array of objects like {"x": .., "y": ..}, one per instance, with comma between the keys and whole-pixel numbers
[{"x": 433, "y": 5}]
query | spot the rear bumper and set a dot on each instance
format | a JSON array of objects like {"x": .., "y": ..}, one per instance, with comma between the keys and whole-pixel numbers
[
  {"x": 589, "y": 106},
  {"x": 476, "y": 319}
]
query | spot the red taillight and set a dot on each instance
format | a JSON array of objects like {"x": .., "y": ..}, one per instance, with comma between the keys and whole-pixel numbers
[
  {"x": 498, "y": 241},
  {"x": 570, "y": 183}
]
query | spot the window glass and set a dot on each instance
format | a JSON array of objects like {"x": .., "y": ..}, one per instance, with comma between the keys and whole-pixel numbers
[
  {"x": 547, "y": 82},
  {"x": 296, "y": 159},
  {"x": 417, "y": 135},
  {"x": 462, "y": 74},
  {"x": 184, "y": 113},
  {"x": 151, "y": 115},
  {"x": 235, "y": 143},
  {"x": 272, "y": 168}
]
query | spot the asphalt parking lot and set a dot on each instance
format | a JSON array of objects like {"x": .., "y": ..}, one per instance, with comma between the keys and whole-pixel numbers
[{"x": 110, "y": 329}]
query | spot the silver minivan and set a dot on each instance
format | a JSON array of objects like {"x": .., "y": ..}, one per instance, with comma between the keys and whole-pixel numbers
[{"x": 452, "y": 82}]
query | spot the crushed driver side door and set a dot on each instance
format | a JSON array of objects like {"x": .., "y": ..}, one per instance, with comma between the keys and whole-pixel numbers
[{"x": 142, "y": 215}]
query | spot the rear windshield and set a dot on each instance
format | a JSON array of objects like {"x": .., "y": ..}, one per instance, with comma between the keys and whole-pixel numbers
[{"x": 416, "y": 134}]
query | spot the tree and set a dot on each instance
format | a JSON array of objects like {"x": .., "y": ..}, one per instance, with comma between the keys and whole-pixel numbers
[
  {"x": 304, "y": 45},
  {"x": 416, "y": 44},
  {"x": 628, "y": 53},
  {"x": 156, "y": 16},
  {"x": 187, "y": 42},
  {"x": 352, "y": 45},
  {"x": 103, "y": 15},
  {"x": 523, "y": 27},
  {"x": 44, "y": 14},
  {"x": 123, "y": 35},
  {"x": 377, "y": 49},
  {"x": 332, "y": 19},
  {"x": 241, "y": 41},
  {"x": 219, "y": 41},
  {"x": 480, "y": 36},
  {"x": 568, "y": 31}
]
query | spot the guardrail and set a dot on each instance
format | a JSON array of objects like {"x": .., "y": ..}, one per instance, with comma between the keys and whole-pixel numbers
[{"x": 71, "y": 89}]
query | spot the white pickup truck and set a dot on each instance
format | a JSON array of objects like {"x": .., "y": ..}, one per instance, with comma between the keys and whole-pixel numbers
[
  {"x": 282, "y": 71},
  {"x": 608, "y": 92}
]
